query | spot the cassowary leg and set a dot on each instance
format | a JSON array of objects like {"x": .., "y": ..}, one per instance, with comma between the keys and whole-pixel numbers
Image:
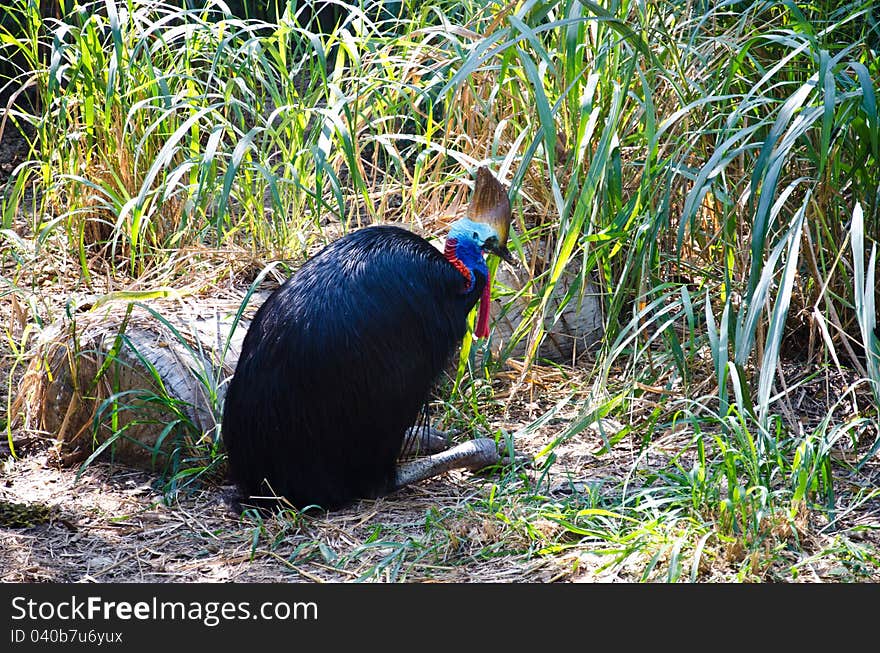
[
  {"x": 422, "y": 440},
  {"x": 473, "y": 455}
]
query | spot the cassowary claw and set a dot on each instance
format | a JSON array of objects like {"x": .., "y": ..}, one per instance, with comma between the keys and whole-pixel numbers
[{"x": 521, "y": 459}]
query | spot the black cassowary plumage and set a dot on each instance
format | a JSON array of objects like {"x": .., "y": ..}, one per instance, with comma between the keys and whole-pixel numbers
[
  {"x": 338, "y": 363},
  {"x": 341, "y": 359}
]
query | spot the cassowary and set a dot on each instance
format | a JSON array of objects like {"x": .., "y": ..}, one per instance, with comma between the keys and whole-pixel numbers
[{"x": 341, "y": 359}]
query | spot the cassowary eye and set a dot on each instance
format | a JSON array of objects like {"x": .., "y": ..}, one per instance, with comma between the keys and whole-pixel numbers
[{"x": 476, "y": 235}]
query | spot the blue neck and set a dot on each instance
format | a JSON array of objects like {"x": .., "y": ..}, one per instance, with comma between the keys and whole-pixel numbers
[{"x": 462, "y": 248}]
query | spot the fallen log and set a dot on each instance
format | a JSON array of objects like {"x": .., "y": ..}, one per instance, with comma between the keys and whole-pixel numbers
[{"x": 141, "y": 382}]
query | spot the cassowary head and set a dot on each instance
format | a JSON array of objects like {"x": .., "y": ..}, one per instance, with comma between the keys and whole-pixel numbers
[{"x": 485, "y": 229}]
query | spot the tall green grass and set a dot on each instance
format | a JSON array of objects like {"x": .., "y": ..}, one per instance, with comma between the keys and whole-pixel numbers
[{"x": 711, "y": 167}]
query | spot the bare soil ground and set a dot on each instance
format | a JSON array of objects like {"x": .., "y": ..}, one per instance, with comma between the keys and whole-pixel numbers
[{"x": 111, "y": 525}]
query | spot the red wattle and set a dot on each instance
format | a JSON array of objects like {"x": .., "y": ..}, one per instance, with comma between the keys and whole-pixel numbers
[
  {"x": 452, "y": 256},
  {"x": 482, "y": 330}
]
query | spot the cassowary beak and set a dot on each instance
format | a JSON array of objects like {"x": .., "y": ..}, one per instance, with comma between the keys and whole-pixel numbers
[
  {"x": 493, "y": 247},
  {"x": 490, "y": 205}
]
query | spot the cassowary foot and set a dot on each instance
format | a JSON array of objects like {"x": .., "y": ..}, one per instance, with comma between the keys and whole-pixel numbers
[
  {"x": 422, "y": 440},
  {"x": 473, "y": 455},
  {"x": 519, "y": 459}
]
